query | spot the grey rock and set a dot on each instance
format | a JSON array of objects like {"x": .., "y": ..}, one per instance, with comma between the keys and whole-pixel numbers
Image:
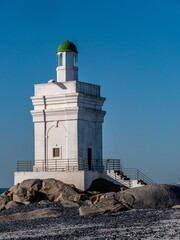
[
  {"x": 56, "y": 190},
  {"x": 3, "y": 201},
  {"x": 12, "y": 204},
  {"x": 101, "y": 185},
  {"x": 32, "y": 184},
  {"x": 36, "y": 190},
  {"x": 52, "y": 190},
  {"x": 35, "y": 214},
  {"x": 176, "y": 206},
  {"x": 150, "y": 196},
  {"x": 102, "y": 203},
  {"x": 10, "y": 191}
]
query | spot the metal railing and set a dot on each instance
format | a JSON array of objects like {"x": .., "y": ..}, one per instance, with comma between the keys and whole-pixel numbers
[
  {"x": 126, "y": 175},
  {"x": 25, "y": 166},
  {"x": 113, "y": 167},
  {"x": 56, "y": 165},
  {"x": 135, "y": 174}
]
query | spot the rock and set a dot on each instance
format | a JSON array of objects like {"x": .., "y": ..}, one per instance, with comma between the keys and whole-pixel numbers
[
  {"x": 39, "y": 213},
  {"x": 22, "y": 195},
  {"x": 32, "y": 184},
  {"x": 102, "y": 203},
  {"x": 127, "y": 199},
  {"x": 56, "y": 190},
  {"x": 69, "y": 204},
  {"x": 12, "y": 204},
  {"x": 101, "y": 185},
  {"x": 10, "y": 191},
  {"x": 3, "y": 201},
  {"x": 36, "y": 190},
  {"x": 52, "y": 190},
  {"x": 150, "y": 196},
  {"x": 176, "y": 206},
  {"x": 80, "y": 197}
]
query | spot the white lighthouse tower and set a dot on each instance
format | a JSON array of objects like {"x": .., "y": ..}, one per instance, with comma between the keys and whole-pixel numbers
[{"x": 68, "y": 119}]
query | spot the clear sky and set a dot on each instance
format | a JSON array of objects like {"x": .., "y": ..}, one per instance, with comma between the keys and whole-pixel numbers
[{"x": 131, "y": 48}]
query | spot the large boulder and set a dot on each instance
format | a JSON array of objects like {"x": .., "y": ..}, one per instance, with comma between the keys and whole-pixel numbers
[
  {"x": 149, "y": 196},
  {"x": 35, "y": 190},
  {"x": 56, "y": 190}
]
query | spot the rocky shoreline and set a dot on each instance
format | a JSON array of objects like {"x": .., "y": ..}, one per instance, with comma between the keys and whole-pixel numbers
[
  {"x": 66, "y": 223},
  {"x": 51, "y": 209}
]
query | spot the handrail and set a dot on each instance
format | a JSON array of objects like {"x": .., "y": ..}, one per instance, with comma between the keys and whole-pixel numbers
[
  {"x": 129, "y": 173},
  {"x": 134, "y": 173},
  {"x": 112, "y": 166},
  {"x": 56, "y": 164}
]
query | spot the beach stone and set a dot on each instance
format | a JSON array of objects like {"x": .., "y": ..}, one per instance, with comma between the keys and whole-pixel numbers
[
  {"x": 3, "y": 201},
  {"x": 176, "y": 206},
  {"x": 12, "y": 204}
]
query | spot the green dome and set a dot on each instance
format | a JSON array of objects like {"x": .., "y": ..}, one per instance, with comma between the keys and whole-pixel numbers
[{"x": 67, "y": 47}]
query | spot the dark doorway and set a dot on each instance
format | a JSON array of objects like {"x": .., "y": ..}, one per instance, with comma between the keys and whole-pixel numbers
[{"x": 89, "y": 159}]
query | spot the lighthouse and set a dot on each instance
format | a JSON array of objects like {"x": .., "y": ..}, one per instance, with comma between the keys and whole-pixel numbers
[{"x": 68, "y": 118}]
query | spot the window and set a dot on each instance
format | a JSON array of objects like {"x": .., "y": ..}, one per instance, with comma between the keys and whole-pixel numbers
[
  {"x": 56, "y": 152},
  {"x": 75, "y": 60},
  {"x": 69, "y": 59},
  {"x": 60, "y": 62}
]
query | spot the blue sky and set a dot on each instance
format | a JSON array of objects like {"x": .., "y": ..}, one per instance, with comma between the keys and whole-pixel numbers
[{"x": 131, "y": 48}]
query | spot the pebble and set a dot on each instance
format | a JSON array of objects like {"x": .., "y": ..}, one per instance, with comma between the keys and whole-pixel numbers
[{"x": 138, "y": 224}]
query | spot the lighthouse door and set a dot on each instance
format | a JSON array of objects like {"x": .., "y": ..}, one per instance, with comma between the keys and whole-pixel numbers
[{"x": 89, "y": 159}]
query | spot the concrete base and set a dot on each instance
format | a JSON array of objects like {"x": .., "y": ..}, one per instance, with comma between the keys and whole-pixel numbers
[{"x": 81, "y": 179}]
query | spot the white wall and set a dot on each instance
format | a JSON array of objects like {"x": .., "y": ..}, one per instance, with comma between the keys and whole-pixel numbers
[
  {"x": 67, "y": 116},
  {"x": 81, "y": 179},
  {"x": 76, "y": 178}
]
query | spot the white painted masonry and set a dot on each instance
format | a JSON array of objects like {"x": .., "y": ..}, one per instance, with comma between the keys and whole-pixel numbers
[
  {"x": 67, "y": 119},
  {"x": 81, "y": 179},
  {"x": 67, "y": 116}
]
